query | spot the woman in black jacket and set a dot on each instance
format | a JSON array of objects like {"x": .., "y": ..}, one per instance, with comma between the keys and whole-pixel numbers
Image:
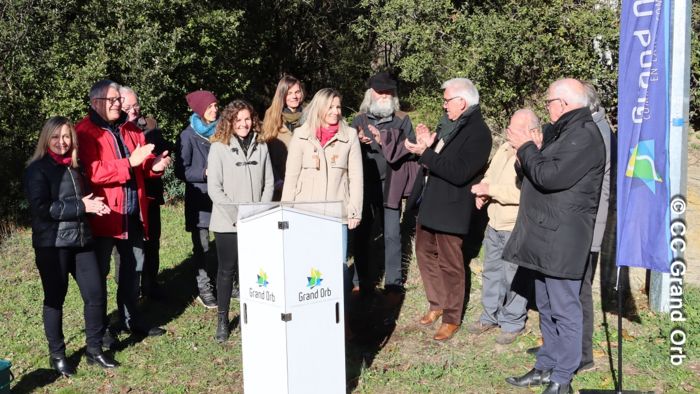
[{"x": 62, "y": 240}]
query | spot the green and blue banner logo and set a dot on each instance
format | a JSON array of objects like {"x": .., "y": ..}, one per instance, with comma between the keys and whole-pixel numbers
[
  {"x": 262, "y": 278},
  {"x": 315, "y": 279},
  {"x": 641, "y": 164}
]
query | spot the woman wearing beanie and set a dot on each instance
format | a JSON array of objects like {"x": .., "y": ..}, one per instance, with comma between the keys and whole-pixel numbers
[
  {"x": 63, "y": 245},
  {"x": 239, "y": 171},
  {"x": 191, "y": 167},
  {"x": 281, "y": 119}
]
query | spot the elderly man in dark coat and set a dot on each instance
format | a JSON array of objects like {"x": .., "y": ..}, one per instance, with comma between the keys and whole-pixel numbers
[
  {"x": 452, "y": 159},
  {"x": 554, "y": 228}
]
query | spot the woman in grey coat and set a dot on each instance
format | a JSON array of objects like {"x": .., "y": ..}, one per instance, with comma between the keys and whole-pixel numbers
[{"x": 239, "y": 171}]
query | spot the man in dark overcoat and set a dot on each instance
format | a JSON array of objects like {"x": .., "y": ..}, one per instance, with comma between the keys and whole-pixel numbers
[
  {"x": 452, "y": 159},
  {"x": 554, "y": 228}
]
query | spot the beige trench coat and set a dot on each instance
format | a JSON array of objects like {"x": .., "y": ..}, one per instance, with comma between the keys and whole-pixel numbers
[{"x": 330, "y": 173}]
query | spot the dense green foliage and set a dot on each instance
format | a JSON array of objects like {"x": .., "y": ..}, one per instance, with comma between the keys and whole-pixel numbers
[{"x": 52, "y": 51}]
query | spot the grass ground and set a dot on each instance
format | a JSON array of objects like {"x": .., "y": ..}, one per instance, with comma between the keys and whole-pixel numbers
[{"x": 383, "y": 359}]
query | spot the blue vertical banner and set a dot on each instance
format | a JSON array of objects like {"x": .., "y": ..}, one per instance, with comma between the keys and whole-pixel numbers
[{"x": 642, "y": 168}]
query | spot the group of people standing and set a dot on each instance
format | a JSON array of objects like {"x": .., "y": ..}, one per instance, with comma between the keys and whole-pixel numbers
[{"x": 97, "y": 185}]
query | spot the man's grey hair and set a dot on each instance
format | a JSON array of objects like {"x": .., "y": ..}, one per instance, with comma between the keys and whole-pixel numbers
[
  {"x": 463, "y": 88},
  {"x": 367, "y": 101},
  {"x": 533, "y": 122},
  {"x": 570, "y": 90},
  {"x": 100, "y": 88},
  {"x": 593, "y": 97},
  {"x": 123, "y": 90}
]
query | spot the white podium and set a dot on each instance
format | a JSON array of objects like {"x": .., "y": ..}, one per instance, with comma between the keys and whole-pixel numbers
[{"x": 291, "y": 285}]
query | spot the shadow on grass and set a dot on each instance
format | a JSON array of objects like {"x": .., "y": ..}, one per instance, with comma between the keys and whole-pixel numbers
[
  {"x": 177, "y": 288},
  {"x": 42, "y": 377},
  {"x": 373, "y": 312}
]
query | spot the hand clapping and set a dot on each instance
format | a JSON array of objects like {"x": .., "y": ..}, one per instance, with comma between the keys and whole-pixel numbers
[
  {"x": 161, "y": 162},
  {"x": 95, "y": 205},
  {"x": 140, "y": 154},
  {"x": 424, "y": 139}
]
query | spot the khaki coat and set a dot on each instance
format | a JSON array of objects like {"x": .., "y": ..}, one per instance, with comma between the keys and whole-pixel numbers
[{"x": 330, "y": 173}]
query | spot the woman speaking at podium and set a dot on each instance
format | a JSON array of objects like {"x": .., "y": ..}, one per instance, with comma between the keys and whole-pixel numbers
[
  {"x": 324, "y": 162},
  {"x": 239, "y": 171}
]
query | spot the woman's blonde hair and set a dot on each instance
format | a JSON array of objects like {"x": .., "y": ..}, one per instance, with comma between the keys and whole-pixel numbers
[
  {"x": 317, "y": 108},
  {"x": 227, "y": 121},
  {"x": 53, "y": 124},
  {"x": 272, "y": 123}
]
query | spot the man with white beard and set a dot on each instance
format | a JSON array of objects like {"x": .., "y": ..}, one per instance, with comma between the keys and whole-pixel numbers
[{"x": 389, "y": 172}]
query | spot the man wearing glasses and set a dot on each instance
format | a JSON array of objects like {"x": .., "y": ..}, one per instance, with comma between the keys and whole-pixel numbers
[
  {"x": 452, "y": 160},
  {"x": 554, "y": 228},
  {"x": 117, "y": 160}
]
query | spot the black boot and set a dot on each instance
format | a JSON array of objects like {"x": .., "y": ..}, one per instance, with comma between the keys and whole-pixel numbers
[
  {"x": 61, "y": 365},
  {"x": 557, "y": 388},
  {"x": 533, "y": 378},
  {"x": 222, "y": 331},
  {"x": 101, "y": 359}
]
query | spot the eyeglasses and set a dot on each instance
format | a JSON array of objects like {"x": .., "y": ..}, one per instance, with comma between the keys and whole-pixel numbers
[
  {"x": 112, "y": 100},
  {"x": 548, "y": 103},
  {"x": 445, "y": 101},
  {"x": 131, "y": 108}
]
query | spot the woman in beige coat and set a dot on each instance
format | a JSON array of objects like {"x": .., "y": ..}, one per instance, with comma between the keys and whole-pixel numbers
[
  {"x": 324, "y": 162},
  {"x": 238, "y": 171}
]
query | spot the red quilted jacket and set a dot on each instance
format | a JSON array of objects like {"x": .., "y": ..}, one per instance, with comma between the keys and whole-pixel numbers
[{"x": 107, "y": 174}]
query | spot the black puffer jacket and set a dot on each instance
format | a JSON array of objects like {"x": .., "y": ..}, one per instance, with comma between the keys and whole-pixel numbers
[{"x": 55, "y": 195}]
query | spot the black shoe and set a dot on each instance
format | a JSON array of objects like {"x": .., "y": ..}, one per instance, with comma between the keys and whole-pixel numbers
[
  {"x": 206, "y": 297},
  {"x": 101, "y": 359},
  {"x": 556, "y": 388},
  {"x": 222, "y": 330},
  {"x": 533, "y": 378},
  {"x": 533, "y": 350},
  {"x": 60, "y": 364}
]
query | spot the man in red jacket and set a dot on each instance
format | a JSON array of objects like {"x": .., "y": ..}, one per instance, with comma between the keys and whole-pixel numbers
[{"x": 117, "y": 159}]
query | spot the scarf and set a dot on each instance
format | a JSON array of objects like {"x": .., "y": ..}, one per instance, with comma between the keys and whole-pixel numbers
[
  {"x": 447, "y": 127},
  {"x": 200, "y": 128},
  {"x": 324, "y": 134},
  {"x": 65, "y": 160},
  {"x": 291, "y": 119},
  {"x": 245, "y": 142}
]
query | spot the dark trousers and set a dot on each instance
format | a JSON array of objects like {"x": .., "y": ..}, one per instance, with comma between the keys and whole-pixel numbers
[
  {"x": 55, "y": 264},
  {"x": 441, "y": 266},
  {"x": 131, "y": 260},
  {"x": 364, "y": 239},
  {"x": 200, "y": 249},
  {"x": 151, "y": 251},
  {"x": 586, "y": 297},
  {"x": 560, "y": 322},
  {"x": 393, "y": 256},
  {"x": 227, "y": 272}
]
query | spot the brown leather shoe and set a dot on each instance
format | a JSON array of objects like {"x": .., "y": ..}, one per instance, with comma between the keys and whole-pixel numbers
[
  {"x": 430, "y": 317},
  {"x": 446, "y": 331}
]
